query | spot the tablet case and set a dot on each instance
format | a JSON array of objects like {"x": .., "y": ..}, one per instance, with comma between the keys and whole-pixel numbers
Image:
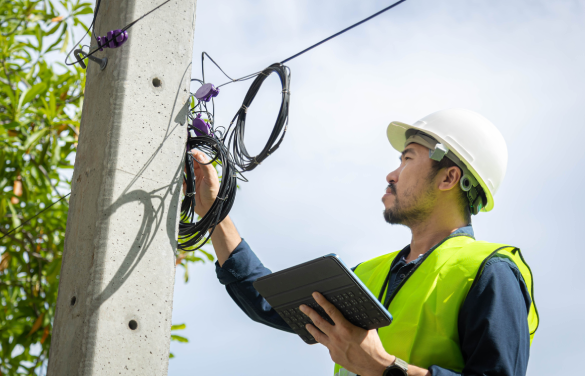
[{"x": 287, "y": 289}]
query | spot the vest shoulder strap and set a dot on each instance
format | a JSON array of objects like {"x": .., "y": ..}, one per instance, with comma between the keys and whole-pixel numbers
[
  {"x": 374, "y": 272},
  {"x": 515, "y": 255}
]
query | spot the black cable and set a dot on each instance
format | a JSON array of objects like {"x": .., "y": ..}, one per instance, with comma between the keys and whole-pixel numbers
[
  {"x": 90, "y": 28},
  {"x": 242, "y": 157},
  {"x": 203, "y": 54},
  {"x": 34, "y": 216},
  {"x": 343, "y": 31},
  {"x": 144, "y": 15},
  {"x": 192, "y": 234},
  {"x": 308, "y": 48}
]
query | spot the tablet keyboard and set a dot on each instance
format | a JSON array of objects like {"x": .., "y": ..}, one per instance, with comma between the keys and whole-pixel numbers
[
  {"x": 287, "y": 289},
  {"x": 353, "y": 304}
]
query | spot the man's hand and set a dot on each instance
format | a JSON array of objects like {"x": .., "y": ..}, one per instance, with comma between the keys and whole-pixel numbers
[
  {"x": 206, "y": 183},
  {"x": 225, "y": 237},
  {"x": 357, "y": 350}
]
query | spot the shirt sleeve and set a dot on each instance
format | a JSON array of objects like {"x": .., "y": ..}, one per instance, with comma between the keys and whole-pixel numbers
[
  {"x": 238, "y": 274},
  {"x": 493, "y": 325}
]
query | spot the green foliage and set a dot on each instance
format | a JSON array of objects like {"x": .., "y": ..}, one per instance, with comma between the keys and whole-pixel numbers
[
  {"x": 39, "y": 115},
  {"x": 178, "y": 338},
  {"x": 40, "y": 108},
  {"x": 184, "y": 258}
]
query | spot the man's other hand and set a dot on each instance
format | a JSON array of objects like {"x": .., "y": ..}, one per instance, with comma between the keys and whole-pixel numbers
[{"x": 357, "y": 350}]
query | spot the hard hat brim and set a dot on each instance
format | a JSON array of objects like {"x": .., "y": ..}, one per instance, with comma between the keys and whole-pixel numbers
[{"x": 396, "y": 133}]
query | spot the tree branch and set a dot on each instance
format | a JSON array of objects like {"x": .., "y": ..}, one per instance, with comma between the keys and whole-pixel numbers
[{"x": 7, "y": 75}]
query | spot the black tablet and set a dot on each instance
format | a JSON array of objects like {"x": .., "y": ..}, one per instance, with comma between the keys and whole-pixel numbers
[{"x": 287, "y": 289}]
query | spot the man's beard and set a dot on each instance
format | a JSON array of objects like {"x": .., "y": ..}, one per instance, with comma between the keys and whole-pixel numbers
[{"x": 415, "y": 208}]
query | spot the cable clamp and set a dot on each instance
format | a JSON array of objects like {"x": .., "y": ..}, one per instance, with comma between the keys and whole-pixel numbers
[
  {"x": 114, "y": 39},
  {"x": 190, "y": 194},
  {"x": 206, "y": 92},
  {"x": 221, "y": 198},
  {"x": 284, "y": 91},
  {"x": 245, "y": 109},
  {"x": 255, "y": 161}
]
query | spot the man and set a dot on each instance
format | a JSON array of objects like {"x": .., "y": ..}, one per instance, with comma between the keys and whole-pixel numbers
[{"x": 460, "y": 306}]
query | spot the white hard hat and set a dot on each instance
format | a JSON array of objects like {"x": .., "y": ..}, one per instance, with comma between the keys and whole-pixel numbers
[{"x": 472, "y": 138}]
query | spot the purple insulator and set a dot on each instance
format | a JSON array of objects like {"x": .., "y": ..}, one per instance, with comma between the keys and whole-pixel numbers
[
  {"x": 206, "y": 92},
  {"x": 201, "y": 127},
  {"x": 109, "y": 41}
]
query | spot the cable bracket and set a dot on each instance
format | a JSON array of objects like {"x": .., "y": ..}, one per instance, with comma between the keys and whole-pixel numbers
[{"x": 80, "y": 55}]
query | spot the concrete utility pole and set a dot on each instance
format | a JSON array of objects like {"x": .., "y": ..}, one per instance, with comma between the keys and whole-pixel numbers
[{"x": 116, "y": 289}]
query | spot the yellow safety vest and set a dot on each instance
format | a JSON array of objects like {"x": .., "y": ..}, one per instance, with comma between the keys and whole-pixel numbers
[{"x": 426, "y": 305}]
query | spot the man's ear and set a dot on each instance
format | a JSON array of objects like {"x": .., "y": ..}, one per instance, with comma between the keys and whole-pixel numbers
[{"x": 450, "y": 177}]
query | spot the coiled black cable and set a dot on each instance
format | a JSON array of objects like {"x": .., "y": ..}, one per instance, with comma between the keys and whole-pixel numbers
[
  {"x": 192, "y": 233},
  {"x": 240, "y": 154}
]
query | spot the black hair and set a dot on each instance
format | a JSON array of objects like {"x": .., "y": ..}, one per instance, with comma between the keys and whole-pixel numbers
[{"x": 463, "y": 200}]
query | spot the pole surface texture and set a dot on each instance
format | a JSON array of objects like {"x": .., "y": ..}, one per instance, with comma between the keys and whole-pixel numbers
[{"x": 113, "y": 314}]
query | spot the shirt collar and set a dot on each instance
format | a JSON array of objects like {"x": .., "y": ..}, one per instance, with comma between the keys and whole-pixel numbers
[
  {"x": 468, "y": 230},
  {"x": 465, "y": 230}
]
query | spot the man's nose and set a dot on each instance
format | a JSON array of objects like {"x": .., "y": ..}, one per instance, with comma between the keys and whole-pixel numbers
[{"x": 392, "y": 177}]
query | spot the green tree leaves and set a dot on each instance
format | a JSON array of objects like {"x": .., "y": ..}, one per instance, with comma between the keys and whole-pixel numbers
[
  {"x": 178, "y": 338},
  {"x": 40, "y": 110},
  {"x": 28, "y": 95},
  {"x": 40, "y": 105}
]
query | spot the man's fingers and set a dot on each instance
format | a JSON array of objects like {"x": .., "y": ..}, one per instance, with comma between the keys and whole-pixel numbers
[
  {"x": 207, "y": 169},
  {"x": 317, "y": 334},
  {"x": 318, "y": 321},
  {"x": 329, "y": 308},
  {"x": 199, "y": 156}
]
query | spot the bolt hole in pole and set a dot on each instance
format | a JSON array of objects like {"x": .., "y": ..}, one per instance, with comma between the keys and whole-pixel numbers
[
  {"x": 156, "y": 82},
  {"x": 133, "y": 324},
  {"x": 73, "y": 300}
]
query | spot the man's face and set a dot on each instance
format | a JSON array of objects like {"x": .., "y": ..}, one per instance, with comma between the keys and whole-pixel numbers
[{"x": 410, "y": 197}]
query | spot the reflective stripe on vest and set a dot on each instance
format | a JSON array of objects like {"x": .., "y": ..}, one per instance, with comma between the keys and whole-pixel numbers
[{"x": 426, "y": 307}]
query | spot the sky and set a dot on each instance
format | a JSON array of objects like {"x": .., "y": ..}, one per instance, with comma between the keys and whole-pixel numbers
[{"x": 517, "y": 62}]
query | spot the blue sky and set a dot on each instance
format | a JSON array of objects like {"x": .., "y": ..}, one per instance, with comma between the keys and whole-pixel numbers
[{"x": 518, "y": 62}]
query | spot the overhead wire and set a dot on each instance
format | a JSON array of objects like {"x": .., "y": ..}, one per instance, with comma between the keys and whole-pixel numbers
[
  {"x": 342, "y": 31},
  {"x": 314, "y": 45},
  {"x": 34, "y": 216}
]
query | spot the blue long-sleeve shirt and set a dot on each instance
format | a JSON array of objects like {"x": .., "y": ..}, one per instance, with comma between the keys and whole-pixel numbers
[{"x": 492, "y": 323}]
